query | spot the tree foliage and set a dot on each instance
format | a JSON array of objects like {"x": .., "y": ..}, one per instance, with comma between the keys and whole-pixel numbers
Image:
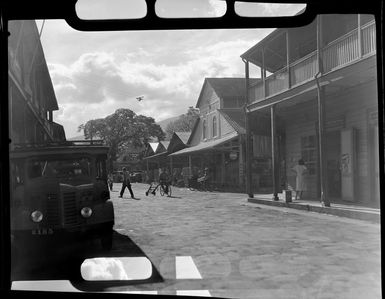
[
  {"x": 184, "y": 123},
  {"x": 121, "y": 130}
]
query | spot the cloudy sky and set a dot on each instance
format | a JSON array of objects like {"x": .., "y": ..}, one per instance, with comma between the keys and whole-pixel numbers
[{"x": 95, "y": 73}]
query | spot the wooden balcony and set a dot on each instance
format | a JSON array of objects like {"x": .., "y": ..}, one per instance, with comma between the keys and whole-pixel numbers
[{"x": 337, "y": 54}]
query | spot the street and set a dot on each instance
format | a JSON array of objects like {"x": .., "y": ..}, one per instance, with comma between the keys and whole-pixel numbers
[
  {"x": 246, "y": 250},
  {"x": 219, "y": 245}
]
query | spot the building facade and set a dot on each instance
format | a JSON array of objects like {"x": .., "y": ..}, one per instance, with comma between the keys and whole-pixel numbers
[
  {"x": 32, "y": 98},
  {"x": 217, "y": 139},
  {"x": 318, "y": 99}
]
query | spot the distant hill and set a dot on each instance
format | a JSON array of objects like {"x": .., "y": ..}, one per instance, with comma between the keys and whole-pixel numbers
[
  {"x": 80, "y": 137},
  {"x": 163, "y": 123}
]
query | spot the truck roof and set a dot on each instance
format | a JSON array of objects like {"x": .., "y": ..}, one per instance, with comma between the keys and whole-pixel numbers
[{"x": 61, "y": 148}]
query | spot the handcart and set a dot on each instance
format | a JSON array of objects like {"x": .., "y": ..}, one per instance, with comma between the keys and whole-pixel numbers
[{"x": 154, "y": 186}]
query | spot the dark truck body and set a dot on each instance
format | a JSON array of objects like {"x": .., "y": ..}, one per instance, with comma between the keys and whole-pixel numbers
[{"x": 66, "y": 186}]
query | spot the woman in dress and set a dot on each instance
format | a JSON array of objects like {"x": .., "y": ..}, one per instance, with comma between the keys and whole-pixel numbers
[{"x": 300, "y": 186}]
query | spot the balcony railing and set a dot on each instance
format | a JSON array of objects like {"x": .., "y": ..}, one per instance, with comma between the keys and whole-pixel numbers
[
  {"x": 341, "y": 51},
  {"x": 337, "y": 54},
  {"x": 303, "y": 69},
  {"x": 368, "y": 37},
  {"x": 256, "y": 91},
  {"x": 277, "y": 82}
]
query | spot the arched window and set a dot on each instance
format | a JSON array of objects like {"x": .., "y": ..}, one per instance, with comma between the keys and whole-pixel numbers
[
  {"x": 204, "y": 129},
  {"x": 214, "y": 126}
]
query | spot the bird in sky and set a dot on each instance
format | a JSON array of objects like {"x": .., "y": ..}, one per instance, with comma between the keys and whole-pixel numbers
[{"x": 140, "y": 98}]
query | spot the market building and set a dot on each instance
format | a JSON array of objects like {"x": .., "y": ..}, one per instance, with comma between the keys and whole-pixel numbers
[
  {"x": 32, "y": 98},
  {"x": 318, "y": 97},
  {"x": 157, "y": 155},
  {"x": 217, "y": 139}
]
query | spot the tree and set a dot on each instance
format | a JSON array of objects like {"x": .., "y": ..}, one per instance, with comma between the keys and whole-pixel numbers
[
  {"x": 184, "y": 123},
  {"x": 122, "y": 129}
]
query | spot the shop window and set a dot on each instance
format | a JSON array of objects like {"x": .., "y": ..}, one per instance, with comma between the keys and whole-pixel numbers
[
  {"x": 101, "y": 172},
  {"x": 204, "y": 128},
  {"x": 214, "y": 126},
  {"x": 309, "y": 153}
]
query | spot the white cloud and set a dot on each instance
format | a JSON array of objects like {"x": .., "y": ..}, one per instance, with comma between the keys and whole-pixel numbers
[
  {"x": 95, "y": 85},
  {"x": 218, "y": 8},
  {"x": 103, "y": 269}
]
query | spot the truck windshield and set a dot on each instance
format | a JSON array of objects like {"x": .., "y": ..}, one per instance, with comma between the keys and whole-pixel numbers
[{"x": 59, "y": 168}]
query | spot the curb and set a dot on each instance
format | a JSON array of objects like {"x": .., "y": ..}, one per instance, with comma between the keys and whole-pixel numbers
[{"x": 360, "y": 215}]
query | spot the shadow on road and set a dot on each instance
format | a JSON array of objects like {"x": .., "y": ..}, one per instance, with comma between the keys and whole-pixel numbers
[{"x": 62, "y": 260}]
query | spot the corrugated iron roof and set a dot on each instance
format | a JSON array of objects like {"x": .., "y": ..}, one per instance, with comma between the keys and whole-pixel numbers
[
  {"x": 183, "y": 136},
  {"x": 208, "y": 145},
  {"x": 227, "y": 87},
  {"x": 236, "y": 118}
]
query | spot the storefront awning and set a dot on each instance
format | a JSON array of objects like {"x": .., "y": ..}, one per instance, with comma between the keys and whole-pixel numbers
[
  {"x": 204, "y": 146},
  {"x": 163, "y": 154}
]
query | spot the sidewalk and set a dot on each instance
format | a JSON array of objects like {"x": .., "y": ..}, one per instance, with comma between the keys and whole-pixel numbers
[{"x": 337, "y": 209}]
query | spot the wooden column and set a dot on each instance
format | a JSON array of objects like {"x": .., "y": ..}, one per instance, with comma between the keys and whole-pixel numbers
[
  {"x": 288, "y": 59},
  {"x": 241, "y": 161},
  {"x": 321, "y": 116},
  {"x": 248, "y": 152},
  {"x": 223, "y": 166},
  {"x": 25, "y": 124},
  {"x": 171, "y": 166},
  {"x": 319, "y": 44},
  {"x": 321, "y": 144},
  {"x": 359, "y": 36},
  {"x": 274, "y": 162},
  {"x": 263, "y": 73},
  {"x": 10, "y": 96}
]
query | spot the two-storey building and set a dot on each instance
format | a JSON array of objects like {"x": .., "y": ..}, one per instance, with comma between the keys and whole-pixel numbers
[
  {"x": 318, "y": 95},
  {"x": 217, "y": 139},
  {"x": 32, "y": 98}
]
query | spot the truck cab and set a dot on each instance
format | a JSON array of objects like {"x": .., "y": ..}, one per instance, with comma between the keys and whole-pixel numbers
[{"x": 60, "y": 190}]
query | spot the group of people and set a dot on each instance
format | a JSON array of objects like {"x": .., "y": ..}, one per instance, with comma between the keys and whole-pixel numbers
[
  {"x": 126, "y": 183},
  {"x": 165, "y": 180}
]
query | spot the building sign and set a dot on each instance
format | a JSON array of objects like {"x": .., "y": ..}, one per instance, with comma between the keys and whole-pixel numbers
[{"x": 233, "y": 155}]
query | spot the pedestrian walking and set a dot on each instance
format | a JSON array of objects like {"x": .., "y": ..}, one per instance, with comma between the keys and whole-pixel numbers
[
  {"x": 165, "y": 180},
  {"x": 110, "y": 181},
  {"x": 126, "y": 183},
  {"x": 301, "y": 171}
]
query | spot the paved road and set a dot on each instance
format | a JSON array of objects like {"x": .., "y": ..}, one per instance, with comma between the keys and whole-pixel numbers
[{"x": 218, "y": 244}]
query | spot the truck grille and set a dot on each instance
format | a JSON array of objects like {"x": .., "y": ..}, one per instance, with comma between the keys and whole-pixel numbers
[
  {"x": 71, "y": 214},
  {"x": 52, "y": 215}
]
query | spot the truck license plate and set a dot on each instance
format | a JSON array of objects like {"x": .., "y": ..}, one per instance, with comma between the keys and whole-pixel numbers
[{"x": 42, "y": 231}]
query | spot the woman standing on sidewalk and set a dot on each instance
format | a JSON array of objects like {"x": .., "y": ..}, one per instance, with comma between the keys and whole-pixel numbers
[{"x": 300, "y": 186}]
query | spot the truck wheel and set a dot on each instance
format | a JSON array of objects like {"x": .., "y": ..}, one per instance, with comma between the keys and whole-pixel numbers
[{"x": 106, "y": 240}]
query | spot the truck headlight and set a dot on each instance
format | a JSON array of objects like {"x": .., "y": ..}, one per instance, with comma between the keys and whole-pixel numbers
[
  {"x": 86, "y": 212},
  {"x": 36, "y": 216}
]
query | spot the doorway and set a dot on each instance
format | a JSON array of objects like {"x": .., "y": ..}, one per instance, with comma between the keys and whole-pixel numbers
[
  {"x": 375, "y": 162},
  {"x": 333, "y": 171}
]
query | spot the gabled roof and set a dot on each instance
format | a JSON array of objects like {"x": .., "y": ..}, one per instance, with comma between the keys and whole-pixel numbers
[
  {"x": 227, "y": 87},
  {"x": 224, "y": 87},
  {"x": 154, "y": 145},
  {"x": 236, "y": 118},
  {"x": 161, "y": 147},
  {"x": 183, "y": 136},
  {"x": 193, "y": 130},
  {"x": 165, "y": 144}
]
